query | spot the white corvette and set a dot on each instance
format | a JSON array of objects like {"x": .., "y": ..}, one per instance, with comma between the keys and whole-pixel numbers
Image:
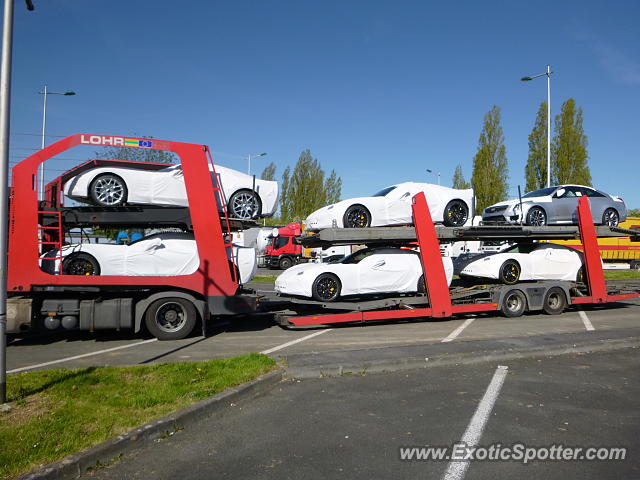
[
  {"x": 526, "y": 261},
  {"x": 116, "y": 186},
  {"x": 367, "y": 271},
  {"x": 160, "y": 254},
  {"x": 392, "y": 206}
]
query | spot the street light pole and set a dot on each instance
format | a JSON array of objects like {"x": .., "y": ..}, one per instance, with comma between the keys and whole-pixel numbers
[
  {"x": 254, "y": 156},
  {"x": 438, "y": 173},
  {"x": 44, "y": 127},
  {"x": 528, "y": 79}
]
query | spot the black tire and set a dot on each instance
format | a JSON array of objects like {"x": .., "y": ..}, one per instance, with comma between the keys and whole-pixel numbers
[
  {"x": 536, "y": 217},
  {"x": 422, "y": 288},
  {"x": 326, "y": 288},
  {"x": 108, "y": 190},
  {"x": 170, "y": 318},
  {"x": 610, "y": 217},
  {"x": 514, "y": 303},
  {"x": 456, "y": 213},
  {"x": 510, "y": 272},
  {"x": 245, "y": 205},
  {"x": 635, "y": 265},
  {"x": 581, "y": 276},
  {"x": 555, "y": 301},
  {"x": 356, "y": 216},
  {"x": 285, "y": 262},
  {"x": 80, "y": 264}
]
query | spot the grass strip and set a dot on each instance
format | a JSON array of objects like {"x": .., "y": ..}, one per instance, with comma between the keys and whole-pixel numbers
[
  {"x": 264, "y": 278},
  {"x": 621, "y": 274},
  {"x": 59, "y": 412}
]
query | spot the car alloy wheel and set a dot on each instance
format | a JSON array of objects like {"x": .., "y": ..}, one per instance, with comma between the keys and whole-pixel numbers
[
  {"x": 326, "y": 288},
  {"x": 610, "y": 218},
  {"x": 108, "y": 191},
  {"x": 536, "y": 217},
  {"x": 510, "y": 272},
  {"x": 244, "y": 205},
  {"x": 455, "y": 214},
  {"x": 80, "y": 264},
  {"x": 357, "y": 216}
]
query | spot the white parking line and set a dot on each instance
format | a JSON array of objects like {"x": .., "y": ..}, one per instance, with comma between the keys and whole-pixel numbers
[
  {"x": 84, "y": 355},
  {"x": 586, "y": 321},
  {"x": 458, "y": 330},
  {"x": 293, "y": 342},
  {"x": 457, "y": 468}
]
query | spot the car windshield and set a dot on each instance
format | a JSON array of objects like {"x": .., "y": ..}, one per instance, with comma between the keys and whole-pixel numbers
[
  {"x": 522, "y": 248},
  {"x": 357, "y": 256},
  {"x": 384, "y": 191},
  {"x": 543, "y": 192}
]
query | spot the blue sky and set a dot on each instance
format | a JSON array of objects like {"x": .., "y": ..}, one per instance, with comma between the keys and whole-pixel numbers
[{"x": 377, "y": 90}]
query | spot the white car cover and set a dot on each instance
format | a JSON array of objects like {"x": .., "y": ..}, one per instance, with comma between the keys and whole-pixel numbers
[
  {"x": 166, "y": 187},
  {"x": 392, "y": 205},
  {"x": 368, "y": 271},
  {"x": 538, "y": 261},
  {"x": 160, "y": 254}
]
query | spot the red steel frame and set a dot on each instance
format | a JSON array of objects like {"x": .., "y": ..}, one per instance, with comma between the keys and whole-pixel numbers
[
  {"x": 436, "y": 283},
  {"x": 212, "y": 278}
]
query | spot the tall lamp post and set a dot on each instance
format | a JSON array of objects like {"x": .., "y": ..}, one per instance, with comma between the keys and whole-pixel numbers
[
  {"x": 438, "y": 173},
  {"x": 44, "y": 126},
  {"x": 253, "y": 156},
  {"x": 5, "y": 104},
  {"x": 528, "y": 79}
]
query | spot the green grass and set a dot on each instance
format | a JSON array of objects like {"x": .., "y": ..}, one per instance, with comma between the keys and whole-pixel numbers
[
  {"x": 264, "y": 278},
  {"x": 617, "y": 274},
  {"x": 58, "y": 412}
]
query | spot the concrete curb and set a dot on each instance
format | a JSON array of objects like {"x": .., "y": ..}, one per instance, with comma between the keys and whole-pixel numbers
[
  {"x": 390, "y": 359},
  {"x": 78, "y": 463}
]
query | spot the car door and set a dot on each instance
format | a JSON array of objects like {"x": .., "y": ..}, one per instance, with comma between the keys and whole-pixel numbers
[
  {"x": 598, "y": 203},
  {"x": 383, "y": 273},
  {"x": 551, "y": 263},
  {"x": 564, "y": 204},
  {"x": 167, "y": 187},
  {"x": 399, "y": 206}
]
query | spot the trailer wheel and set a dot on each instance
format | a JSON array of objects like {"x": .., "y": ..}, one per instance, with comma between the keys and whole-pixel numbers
[
  {"x": 555, "y": 301},
  {"x": 108, "y": 191},
  {"x": 456, "y": 213},
  {"x": 326, "y": 288},
  {"x": 80, "y": 264},
  {"x": 170, "y": 318},
  {"x": 510, "y": 272},
  {"x": 514, "y": 303},
  {"x": 285, "y": 262}
]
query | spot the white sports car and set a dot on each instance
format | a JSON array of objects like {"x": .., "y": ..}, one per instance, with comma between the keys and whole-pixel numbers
[
  {"x": 367, "y": 271},
  {"x": 160, "y": 254},
  {"x": 526, "y": 261},
  {"x": 116, "y": 186},
  {"x": 392, "y": 206}
]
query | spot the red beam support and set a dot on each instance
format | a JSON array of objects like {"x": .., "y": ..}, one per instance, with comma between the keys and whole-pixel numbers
[
  {"x": 435, "y": 279},
  {"x": 593, "y": 263}
]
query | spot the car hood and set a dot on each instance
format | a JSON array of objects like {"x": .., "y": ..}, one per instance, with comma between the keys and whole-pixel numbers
[
  {"x": 337, "y": 209},
  {"x": 516, "y": 201}
]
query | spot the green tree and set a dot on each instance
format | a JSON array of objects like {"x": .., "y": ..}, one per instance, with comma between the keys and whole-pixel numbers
[
  {"x": 569, "y": 148},
  {"x": 285, "y": 203},
  {"x": 333, "y": 188},
  {"x": 305, "y": 189},
  {"x": 535, "y": 170},
  {"x": 635, "y": 212},
  {"x": 490, "y": 169},
  {"x": 137, "y": 154},
  {"x": 458, "y": 179},
  {"x": 269, "y": 172}
]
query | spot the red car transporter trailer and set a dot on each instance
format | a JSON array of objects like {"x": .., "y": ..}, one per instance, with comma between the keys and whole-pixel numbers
[
  {"x": 511, "y": 300},
  {"x": 169, "y": 305}
]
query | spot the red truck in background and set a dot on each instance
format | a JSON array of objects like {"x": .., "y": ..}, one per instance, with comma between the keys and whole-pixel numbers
[{"x": 282, "y": 251}]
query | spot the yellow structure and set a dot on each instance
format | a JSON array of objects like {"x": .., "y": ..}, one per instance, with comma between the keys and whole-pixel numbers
[{"x": 614, "y": 249}]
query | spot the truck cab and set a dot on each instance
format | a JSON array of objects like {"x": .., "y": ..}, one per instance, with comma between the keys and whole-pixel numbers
[{"x": 282, "y": 251}]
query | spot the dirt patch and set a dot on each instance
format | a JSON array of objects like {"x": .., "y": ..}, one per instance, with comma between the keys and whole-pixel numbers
[{"x": 34, "y": 406}]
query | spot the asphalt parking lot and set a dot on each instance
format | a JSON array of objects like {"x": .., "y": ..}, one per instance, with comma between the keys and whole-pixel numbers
[
  {"x": 354, "y": 426},
  {"x": 260, "y": 334}
]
